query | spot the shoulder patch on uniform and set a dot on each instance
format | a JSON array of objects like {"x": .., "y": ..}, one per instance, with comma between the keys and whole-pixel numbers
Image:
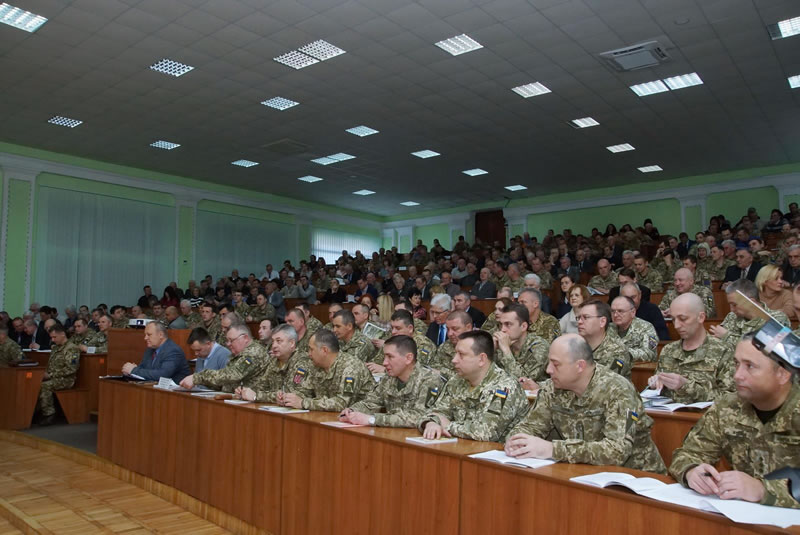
[
  {"x": 433, "y": 395},
  {"x": 633, "y": 417},
  {"x": 425, "y": 352},
  {"x": 299, "y": 375},
  {"x": 349, "y": 385},
  {"x": 618, "y": 365},
  {"x": 498, "y": 401},
  {"x": 652, "y": 342},
  {"x": 248, "y": 360}
]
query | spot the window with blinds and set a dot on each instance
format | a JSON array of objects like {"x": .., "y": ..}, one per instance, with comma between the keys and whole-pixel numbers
[{"x": 329, "y": 244}]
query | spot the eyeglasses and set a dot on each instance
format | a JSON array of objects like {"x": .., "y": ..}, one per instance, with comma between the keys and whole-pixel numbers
[
  {"x": 620, "y": 312},
  {"x": 584, "y": 317}
]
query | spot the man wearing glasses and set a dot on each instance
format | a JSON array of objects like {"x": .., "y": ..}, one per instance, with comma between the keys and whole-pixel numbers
[
  {"x": 248, "y": 362},
  {"x": 594, "y": 320},
  {"x": 441, "y": 305},
  {"x": 638, "y": 335}
]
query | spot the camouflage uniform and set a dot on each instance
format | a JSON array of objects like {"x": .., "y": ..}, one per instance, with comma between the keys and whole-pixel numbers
[
  {"x": 490, "y": 325},
  {"x": 92, "y": 338},
  {"x": 312, "y": 324},
  {"x": 640, "y": 339},
  {"x": 9, "y": 352},
  {"x": 443, "y": 359},
  {"x": 243, "y": 310},
  {"x": 599, "y": 283},
  {"x": 668, "y": 272},
  {"x": 652, "y": 279},
  {"x": 546, "y": 278},
  {"x": 360, "y": 346},
  {"x": 426, "y": 350},
  {"x": 738, "y": 327},
  {"x": 215, "y": 331},
  {"x": 718, "y": 273},
  {"x": 614, "y": 355},
  {"x": 193, "y": 320},
  {"x": 516, "y": 285},
  {"x": 405, "y": 403},
  {"x": 242, "y": 370},
  {"x": 120, "y": 324},
  {"x": 346, "y": 382},
  {"x": 302, "y": 343},
  {"x": 530, "y": 362},
  {"x": 499, "y": 282},
  {"x": 420, "y": 327},
  {"x": 62, "y": 369},
  {"x": 485, "y": 412},
  {"x": 606, "y": 425},
  {"x": 290, "y": 376},
  {"x": 703, "y": 292},
  {"x": 546, "y": 326},
  {"x": 259, "y": 314},
  {"x": 731, "y": 429},
  {"x": 709, "y": 370}
]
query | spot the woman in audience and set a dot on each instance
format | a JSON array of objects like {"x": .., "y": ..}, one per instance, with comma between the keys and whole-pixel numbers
[
  {"x": 197, "y": 299},
  {"x": 398, "y": 286},
  {"x": 415, "y": 298},
  {"x": 500, "y": 305},
  {"x": 567, "y": 282},
  {"x": 170, "y": 298},
  {"x": 577, "y": 295},
  {"x": 335, "y": 294},
  {"x": 610, "y": 230},
  {"x": 771, "y": 290},
  {"x": 383, "y": 312}
]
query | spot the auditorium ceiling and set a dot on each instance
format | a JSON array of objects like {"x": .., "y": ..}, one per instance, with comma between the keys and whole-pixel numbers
[{"x": 91, "y": 61}]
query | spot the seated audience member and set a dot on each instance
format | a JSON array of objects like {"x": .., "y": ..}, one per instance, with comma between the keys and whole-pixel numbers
[
  {"x": 483, "y": 402},
  {"x": 577, "y": 295},
  {"x": 791, "y": 268},
  {"x": 771, "y": 292},
  {"x": 247, "y": 362},
  {"x": 541, "y": 323},
  {"x": 638, "y": 335},
  {"x": 62, "y": 369},
  {"x": 191, "y": 317},
  {"x": 209, "y": 354},
  {"x": 306, "y": 290},
  {"x": 239, "y": 304},
  {"x": 756, "y": 430},
  {"x": 645, "y": 275},
  {"x": 742, "y": 319},
  {"x": 415, "y": 298},
  {"x": 566, "y": 282},
  {"x": 698, "y": 367},
  {"x": 533, "y": 282},
  {"x": 471, "y": 278},
  {"x": 338, "y": 380},
  {"x": 484, "y": 288},
  {"x": 605, "y": 278},
  {"x": 624, "y": 277},
  {"x": 265, "y": 333},
  {"x": 402, "y": 323},
  {"x": 719, "y": 264},
  {"x": 336, "y": 294},
  {"x": 174, "y": 319},
  {"x": 403, "y": 395},
  {"x": 461, "y": 301},
  {"x": 491, "y": 324},
  {"x": 456, "y": 324},
  {"x": 594, "y": 322},
  {"x": 19, "y": 334},
  {"x": 441, "y": 306},
  {"x": 290, "y": 290},
  {"x": 683, "y": 282},
  {"x": 646, "y": 310},
  {"x": 118, "y": 317},
  {"x": 162, "y": 358},
  {"x": 9, "y": 349},
  {"x": 211, "y": 322},
  {"x": 39, "y": 339},
  {"x": 522, "y": 354},
  {"x": 365, "y": 288},
  {"x": 594, "y": 415},
  {"x": 746, "y": 267},
  {"x": 351, "y": 339},
  {"x": 312, "y": 323},
  {"x": 91, "y": 341},
  {"x": 262, "y": 310}
]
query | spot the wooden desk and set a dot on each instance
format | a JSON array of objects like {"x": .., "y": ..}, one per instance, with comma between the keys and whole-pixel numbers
[
  {"x": 127, "y": 345},
  {"x": 19, "y": 391},
  {"x": 670, "y": 428},
  {"x": 92, "y": 368},
  {"x": 641, "y": 372}
]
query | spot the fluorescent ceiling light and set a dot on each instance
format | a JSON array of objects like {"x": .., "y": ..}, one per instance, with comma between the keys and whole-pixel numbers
[
  {"x": 650, "y": 168},
  {"x": 649, "y": 88},
  {"x": 333, "y": 158},
  {"x": 64, "y": 121},
  {"x": 460, "y": 44},
  {"x": 363, "y": 192},
  {"x": 20, "y": 19},
  {"x": 410, "y": 203},
  {"x": 310, "y": 179},
  {"x": 784, "y": 28},
  {"x": 296, "y": 60},
  {"x": 280, "y": 103},
  {"x": 475, "y": 172},
  {"x": 585, "y": 122},
  {"x": 362, "y": 131},
  {"x": 166, "y": 145},
  {"x": 244, "y": 163},
  {"x": 518, "y": 187},
  {"x": 621, "y": 148},
  {"x": 321, "y": 50},
  {"x": 794, "y": 81},
  {"x": 173, "y": 68},
  {"x": 324, "y": 160},
  {"x": 683, "y": 80},
  {"x": 425, "y": 153},
  {"x": 530, "y": 90}
]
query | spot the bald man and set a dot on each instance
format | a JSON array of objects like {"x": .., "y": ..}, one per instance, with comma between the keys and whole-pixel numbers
[
  {"x": 698, "y": 367},
  {"x": 605, "y": 278},
  {"x": 683, "y": 282}
]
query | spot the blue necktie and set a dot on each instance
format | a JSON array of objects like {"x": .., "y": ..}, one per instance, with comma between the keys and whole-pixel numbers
[{"x": 442, "y": 334}]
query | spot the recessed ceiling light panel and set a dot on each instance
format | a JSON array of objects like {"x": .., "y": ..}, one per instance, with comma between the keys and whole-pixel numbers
[
  {"x": 649, "y": 88},
  {"x": 650, "y": 168},
  {"x": 280, "y": 103},
  {"x": 362, "y": 131},
  {"x": 341, "y": 156},
  {"x": 460, "y": 44},
  {"x": 170, "y": 67},
  {"x": 410, "y": 203},
  {"x": 425, "y": 154},
  {"x": 324, "y": 160},
  {"x": 296, "y": 60},
  {"x": 20, "y": 19},
  {"x": 245, "y": 163},
  {"x": 363, "y": 192},
  {"x": 166, "y": 145},
  {"x": 621, "y": 148},
  {"x": 517, "y": 187},
  {"x": 683, "y": 80},
  {"x": 794, "y": 81},
  {"x": 585, "y": 122},
  {"x": 64, "y": 121},
  {"x": 310, "y": 179},
  {"x": 475, "y": 172},
  {"x": 321, "y": 50},
  {"x": 531, "y": 90},
  {"x": 784, "y": 28}
]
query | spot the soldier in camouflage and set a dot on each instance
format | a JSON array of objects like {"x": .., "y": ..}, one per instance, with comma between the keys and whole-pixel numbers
[
  {"x": 594, "y": 324},
  {"x": 541, "y": 323},
  {"x": 351, "y": 340},
  {"x": 85, "y": 337},
  {"x": 262, "y": 310},
  {"x": 404, "y": 395},
  {"x": 522, "y": 354},
  {"x": 458, "y": 322},
  {"x": 545, "y": 278},
  {"x": 757, "y": 430},
  {"x": 683, "y": 282},
  {"x": 297, "y": 320},
  {"x": 265, "y": 334},
  {"x": 240, "y": 306},
  {"x": 499, "y": 276},
  {"x": 208, "y": 313},
  {"x": 594, "y": 415},
  {"x": 742, "y": 318},
  {"x": 605, "y": 278},
  {"x": 118, "y": 317},
  {"x": 515, "y": 281},
  {"x": 701, "y": 275},
  {"x": 698, "y": 367},
  {"x": 247, "y": 364},
  {"x": 338, "y": 380},
  {"x": 483, "y": 402},
  {"x": 638, "y": 335},
  {"x": 647, "y": 276},
  {"x": 490, "y": 325},
  {"x": 9, "y": 349},
  {"x": 191, "y": 317},
  {"x": 62, "y": 369},
  {"x": 333, "y": 308},
  {"x": 719, "y": 264},
  {"x": 402, "y": 323}
]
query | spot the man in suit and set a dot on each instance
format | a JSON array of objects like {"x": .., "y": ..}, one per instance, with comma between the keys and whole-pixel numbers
[
  {"x": 37, "y": 334},
  {"x": 645, "y": 309},
  {"x": 275, "y": 298},
  {"x": 745, "y": 268},
  {"x": 18, "y": 334},
  {"x": 625, "y": 276},
  {"x": 484, "y": 288},
  {"x": 162, "y": 358},
  {"x": 461, "y": 302},
  {"x": 791, "y": 268},
  {"x": 210, "y": 355},
  {"x": 441, "y": 305},
  {"x": 174, "y": 318}
]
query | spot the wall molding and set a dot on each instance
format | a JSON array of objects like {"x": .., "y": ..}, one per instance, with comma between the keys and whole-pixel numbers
[{"x": 3, "y": 240}]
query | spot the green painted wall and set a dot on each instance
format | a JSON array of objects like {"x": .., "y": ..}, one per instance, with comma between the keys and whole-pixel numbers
[
  {"x": 454, "y": 234},
  {"x": 515, "y": 230},
  {"x": 341, "y": 227},
  {"x": 404, "y": 244},
  {"x": 303, "y": 241},
  {"x": 694, "y": 220},
  {"x": 185, "y": 245},
  {"x": 427, "y": 233},
  {"x": 389, "y": 240},
  {"x": 103, "y": 188},
  {"x": 662, "y": 212},
  {"x": 16, "y": 253},
  {"x": 244, "y": 211},
  {"x": 734, "y": 204}
]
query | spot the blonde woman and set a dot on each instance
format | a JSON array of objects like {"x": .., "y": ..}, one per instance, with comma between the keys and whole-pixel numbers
[
  {"x": 577, "y": 295},
  {"x": 771, "y": 290}
]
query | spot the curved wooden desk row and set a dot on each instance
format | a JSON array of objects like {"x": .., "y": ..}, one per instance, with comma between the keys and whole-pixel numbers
[{"x": 289, "y": 474}]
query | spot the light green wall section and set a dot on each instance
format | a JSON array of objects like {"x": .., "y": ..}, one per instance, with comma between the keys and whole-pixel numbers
[
  {"x": 694, "y": 220},
  {"x": 16, "y": 253},
  {"x": 104, "y": 188},
  {"x": 515, "y": 230},
  {"x": 734, "y": 204},
  {"x": 454, "y": 234},
  {"x": 427, "y": 233},
  {"x": 244, "y": 211},
  {"x": 303, "y": 241},
  {"x": 663, "y": 213},
  {"x": 404, "y": 244},
  {"x": 341, "y": 227},
  {"x": 388, "y": 240},
  {"x": 185, "y": 245}
]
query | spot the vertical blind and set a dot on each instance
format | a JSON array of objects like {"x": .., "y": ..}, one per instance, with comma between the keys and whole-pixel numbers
[
  {"x": 329, "y": 244},
  {"x": 91, "y": 248}
]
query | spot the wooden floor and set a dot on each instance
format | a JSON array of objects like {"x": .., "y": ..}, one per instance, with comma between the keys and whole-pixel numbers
[{"x": 41, "y": 492}]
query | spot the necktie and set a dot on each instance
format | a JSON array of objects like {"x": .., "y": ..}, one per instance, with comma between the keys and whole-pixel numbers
[
  {"x": 155, "y": 353},
  {"x": 442, "y": 334},
  {"x": 744, "y": 274}
]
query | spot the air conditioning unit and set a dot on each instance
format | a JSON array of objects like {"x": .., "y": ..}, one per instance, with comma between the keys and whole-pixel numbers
[{"x": 634, "y": 57}]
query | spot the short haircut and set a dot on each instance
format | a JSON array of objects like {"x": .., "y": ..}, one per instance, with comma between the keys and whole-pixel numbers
[
  {"x": 463, "y": 294},
  {"x": 746, "y": 286},
  {"x": 442, "y": 301},
  {"x": 160, "y": 327},
  {"x": 461, "y": 316},
  {"x": 533, "y": 291},
  {"x": 109, "y": 318},
  {"x": 186, "y": 302},
  {"x": 627, "y": 299},
  {"x": 404, "y": 344},
  {"x": 579, "y": 349},
  {"x": 200, "y": 335},
  {"x": 206, "y": 304},
  {"x": 240, "y": 328},
  {"x": 82, "y": 320},
  {"x": 287, "y": 330},
  {"x": 234, "y": 318},
  {"x": 482, "y": 342},
  {"x": 297, "y": 313},
  {"x": 56, "y": 328},
  {"x": 361, "y": 305},
  {"x": 627, "y": 272},
  {"x": 520, "y": 311},
  {"x": 403, "y": 316},
  {"x": 304, "y": 306},
  {"x": 3, "y": 328},
  {"x": 603, "y": 310},
  {"x": 325, "y": 338},
  {"x": 691, "y": 258},
  {"x": 537, "y": 279},
  {"x": 115, "y": 308},
  {"x": 347, "y": 317}
]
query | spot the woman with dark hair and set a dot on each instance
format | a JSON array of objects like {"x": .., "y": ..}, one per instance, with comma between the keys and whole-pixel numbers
[
  {"x": 610, "y": 230},
  {"x": 335, "y": 294},
  {"x": 170, "y": 298},
  {"x": 415, "y": 298}
]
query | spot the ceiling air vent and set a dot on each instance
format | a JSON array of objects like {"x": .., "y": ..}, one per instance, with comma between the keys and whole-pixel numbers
[{"x": 634, "y": 57}]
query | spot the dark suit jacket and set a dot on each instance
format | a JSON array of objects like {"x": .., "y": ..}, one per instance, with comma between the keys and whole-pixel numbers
[
  {"x": 562, "y": 310},
  {"x": 790, "y": 275},
  {"x": 433, "y": 332},
  {"x": 487, "y": 291},
  {"x": 614, "y": 293},
  {"x": 169, "y": 362},
  {"x": 650, "y": 312},
  {"x": 477, "y": 316},
  {"x": 546, "y": 304},
  {"x": 734, "y": 272},
  {"x": 21, "y": 338},
  {"x": 41, "y": 337}
]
